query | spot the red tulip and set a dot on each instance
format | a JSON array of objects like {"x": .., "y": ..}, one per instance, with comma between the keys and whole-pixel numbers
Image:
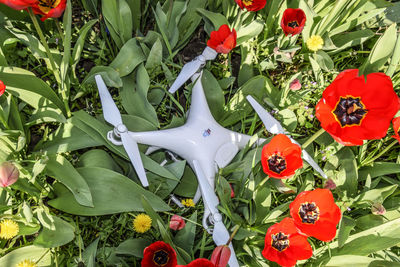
[
  {"x": 396, "y": 128},
  {"x": 2, "y": 88},
  {"x": 232, "y": 192},
  {"x": 8, "y": 174},
  {"x": 251, "y": 5},
  {"x": 352, "y": 110},
  {"x": 293, "y": 21},
  {"x": 50, "y": 8},
  {"x": 285, "y": 245},
  {"x": 176, "y": 223},
  {"x": 221, "y": 255},
  {"x": 316, "y": 214},
  {"x": 223, "y": 40},
  {"x": 18, "y": 4},
  {"x": 281, "y": 158},
  {"x": 159, "y": 254}
]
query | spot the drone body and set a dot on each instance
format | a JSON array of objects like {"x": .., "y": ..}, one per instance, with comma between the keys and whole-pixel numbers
[{"x": 201, "y": 141}]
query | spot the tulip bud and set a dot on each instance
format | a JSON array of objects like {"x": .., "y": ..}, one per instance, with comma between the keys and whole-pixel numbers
[
  {"x": 8, "y": 174},
  {"x": 232, "y": 192},
  {"x": 295, "y": 85},
  {"x": 221, "y": 255},
  {"x": 330, "y": 184},
  {"x": 176, "y": 223},
  {"x": 378, "y": 209}
]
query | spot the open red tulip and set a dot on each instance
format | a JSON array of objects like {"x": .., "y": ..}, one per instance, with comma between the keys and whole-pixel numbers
[
  {"x": 316, "y": 214},
  {"x": 159, "y": 254},
  {"x": 251, "y": 5},
  {"x": 281, "y": 158},
  {"x": 352, "y": 110},
  {"x": 18, "y": 4},
  {"x": 223, "y": 40},
  {"x": 50, "y": 8},
  {"x": 293, "y": 21},
  {"x": 396, "y": 128},
  {"x": 2, "y": 88},
  {"x": 285, "y": 245}
]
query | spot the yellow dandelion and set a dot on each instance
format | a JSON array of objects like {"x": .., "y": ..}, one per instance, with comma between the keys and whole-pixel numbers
[
  {"x": 8, "y": 229},
  {"x": 142, "y": 223},
  {"x": 315, "y": 43},
  {"x": 188, "y": 202},
  {"x": 26, "y": 263}
]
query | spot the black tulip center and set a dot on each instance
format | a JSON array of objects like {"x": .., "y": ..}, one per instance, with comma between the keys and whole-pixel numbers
[
  {"x": 276, "y": 163},
  {"x": 160, "y": 258},
  {"x": 309, "y": 213},
  {"x": 349, "y": 111},
  {"x": 293, "y": 24},
  {"x": 280, "y": 241}
]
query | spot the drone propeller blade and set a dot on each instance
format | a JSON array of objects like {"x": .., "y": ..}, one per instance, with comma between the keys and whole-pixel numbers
[
  {"x": 274, "y": 127},
  {"x": 112, "y": 116},
  {"x": 132, "y": 150},
  {"x": 190, "y": 68},
  {"x": 110, "y": 111}
]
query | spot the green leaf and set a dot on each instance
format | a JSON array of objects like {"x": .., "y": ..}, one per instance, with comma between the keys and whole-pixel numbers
[
  {"x": 124, "y": 18},
  {"x": 89, "y": 254},
  {"x": 378, "y": 169},
  {"x": 147, "y": 207},
  {"x": 376, "y": 195},
  {"x": 185, "y": 237},
  {"x": 214, "y": 94},
  {"x": 155, "y": 56},
  {"x": 128, "y": 58},
  {"x": 62, "y": 170},
  {"x": 59, "y": 233},
  {"x": 349, "y": 164},
  {"x": 249, "y": 31},
  {"x": 78, "y": 48},
  {"x": 110, "y": 76},
  {"x": 111, "y": 191},
  {"x": 358, "y": 261},
  {"x": 324, "y": 60},
  {"x": 133, "y": 247},
  {"x": 346, "y": 225},
  {"x": 33, "y": 253},
  {"x": 30, "y": 89},
  {"x": 381, "y": 51},
  {"x": 98, "y": 158},
  {"x": 216, "y": 19}
]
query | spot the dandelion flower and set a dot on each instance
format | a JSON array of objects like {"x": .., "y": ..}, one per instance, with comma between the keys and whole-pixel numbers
[
  {"x": 26, "y": 263},
  {"x": 188, "y": 202},
  {"x": 315, "y": 43},
  {"x": 142, "y": 223},
  {"x": 8, "y": 229}
]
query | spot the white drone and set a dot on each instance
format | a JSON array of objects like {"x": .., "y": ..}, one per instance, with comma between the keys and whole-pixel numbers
[{"x": 201, "y": 141}]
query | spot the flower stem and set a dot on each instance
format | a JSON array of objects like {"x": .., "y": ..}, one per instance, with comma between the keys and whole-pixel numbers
[
  {"x": 44, "y": 43},
  {"x": 60, "y": 32},
  {"x": 237, "y": 227},
  {"x": 312, "y": 138},
  {"x": 380, "y": 154}
]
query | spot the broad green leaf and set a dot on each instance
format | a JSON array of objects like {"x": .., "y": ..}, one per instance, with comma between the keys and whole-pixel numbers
[
  {"x": 346, "y": 225},
  {"x": 249, "y": 31},
  {"x": 60, "y": 233},
  {"x": 349, "y": 164},
  {"x": 98, "y": 158},
  {"x": 62, "y": 170},
  {"x": 128, "y": 58},
  {"x": 78, "y": 47},
  {"x": 324, "y": 60},
  {"x": 30, "y": 89},
  {"x": 185, "y": 237},
  {"x": 67, "y": 21},
  {"x": 33, "y": 253},
  {"x": 155, "y": 218},
  {"x": 358, "y": 261},
  {"x": 214, "y": 95},
  {"x": 379, "y": 169},
  {"x": 124, "y": 18},
  {"x": 111, "y": 16},
  {"x": 111, "y": 191},
  {"x": 133, "y": 247},
  {"x": 155, "y": 56},
  {"x": 346, "y": 40},
  {"x": 110, "y": 76},
  {"x": 376, "y": 195},
  {"x": 216, "y": 19}
]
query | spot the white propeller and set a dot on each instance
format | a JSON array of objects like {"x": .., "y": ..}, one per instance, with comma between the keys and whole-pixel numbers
[
  {"x": 274, "y": 127},
  {"x": 220, "y": 233},
  {"x": 192, "y": 67},
  {"x": 113, "y": 116}
]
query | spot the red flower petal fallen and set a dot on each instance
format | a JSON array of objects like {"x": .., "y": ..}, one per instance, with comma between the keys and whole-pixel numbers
[
  {"x": 223, "y": 40},
  {"x": 221, "y": 255},
  {"x": 281, "y": 158},
  {"x": 159, "y": 254},
  {"x": 316, "y": 214},
  {"x": 18, "y": 4},
  {"x": 396, "y": 128},
  {"x": 251, "y": 5},
  {"x": 284, "y": 245},
  {"x": 2, "y": 88},
  {"x": 352, "y": 110},
  {"x": 176, "y": 222},
  {"x": 293, "y": 21}
]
